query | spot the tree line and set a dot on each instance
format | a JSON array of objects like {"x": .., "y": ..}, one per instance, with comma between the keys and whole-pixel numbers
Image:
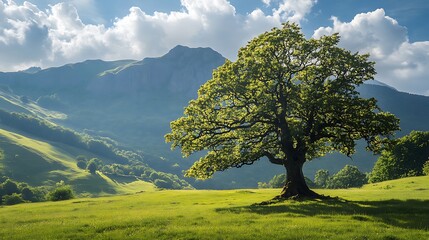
[
  {"x": 13, "y": 192},
  {"x": 407, "y": 156},
  {"x": 134, "y": 169},
  {"x": 51, "y": 132}
]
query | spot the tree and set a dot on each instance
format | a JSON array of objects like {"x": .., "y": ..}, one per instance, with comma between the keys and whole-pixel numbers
[
  {"x": 27, "y": 194},
  {"x": 61, "y": 192},
  {"x": 426, "y": 168},
  {"x": 94, "y": 164},
  {"x": 10, "y": 187},
  {"x": 92, "y": 167},
  {"x": 81, "y": 164},
  {"x": 404, "y": 159},
  {"x": 12, "y": 199},
  {"x": 277, "y": 181},
  {"x": 285, "y": 98},
  {"x": 321, "y": 178},
  {"x": 348, "y": 177}
]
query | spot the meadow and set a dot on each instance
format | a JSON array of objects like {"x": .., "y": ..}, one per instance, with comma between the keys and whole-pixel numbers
[{"x": 389, "y": 210}]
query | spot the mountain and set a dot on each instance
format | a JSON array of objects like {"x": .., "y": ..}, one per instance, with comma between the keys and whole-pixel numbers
[
  {"x": 133, "y": 103},
  {"x": 180, "y": 72}
]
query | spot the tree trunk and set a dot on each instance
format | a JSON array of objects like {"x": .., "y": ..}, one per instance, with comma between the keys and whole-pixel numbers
[{"x": 295, "y": 186}]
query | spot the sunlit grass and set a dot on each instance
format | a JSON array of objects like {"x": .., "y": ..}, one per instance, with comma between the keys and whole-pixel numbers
[
  {"x": 372, "y": 212},
  {"x": 41, "y": 163}
]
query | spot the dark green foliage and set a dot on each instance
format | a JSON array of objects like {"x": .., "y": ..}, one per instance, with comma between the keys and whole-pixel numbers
[
  {"x": 168, "y": 181},
  {"x": 81, "y": 164},
  {"x": 94, "y": 164},
  {"x": 12, "y": 192},
  {"x": 62, "y": 192},
  {"x": 12, "y": 199},
  {"x": 159, "y": 183},
  {"x": 39, "y": 194},
  {"x": 406, "y": 158},
  {"x": 348, "y": 177},
  {"x": 40, "y": 128},
  {"x": 10, "y": 187},
  {"x": 277, "y": 181},
  {"x": 321, "y": 178},
  {"x": 426, "y": 168},
  {"x": 27, "y": 194},
  {"x": 1, "y": 194},
  {"x": 92, "y": 167},
  {"x": 3, "y": 179},
  {"x": 142, "y": 171}
]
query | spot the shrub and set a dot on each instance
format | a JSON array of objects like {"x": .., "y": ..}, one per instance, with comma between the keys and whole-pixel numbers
[
  {"x": 12, "y": 199},
  {"x": 159, "y": 183},
  {"x": 81, "y": 164},
  {"x": 27, "y": 194},
  {"x": 263, "y": 185},
  {"x": 61, "y": 193},
  {"x": 348, "y": 177},
  {"x": 278, "y": 181},
  {"x": 426, "y": 168},
  {"x": 321, "y": 178},
  {"x": 10, "y": 187},
  {"x": 94, "y": 164}
]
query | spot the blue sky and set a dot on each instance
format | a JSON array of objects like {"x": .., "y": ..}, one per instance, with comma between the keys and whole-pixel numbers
[{"x": 50, "y": 33}]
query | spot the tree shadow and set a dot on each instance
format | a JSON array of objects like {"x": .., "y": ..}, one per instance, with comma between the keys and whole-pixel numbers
[{"x": 405, "y": 214}]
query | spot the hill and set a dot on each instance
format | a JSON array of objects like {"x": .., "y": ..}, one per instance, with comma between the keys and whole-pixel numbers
[
  {"x": 133, "y": 103},
  {"x": 372, "y": 212},
  {"x": 42, "y": 163}
]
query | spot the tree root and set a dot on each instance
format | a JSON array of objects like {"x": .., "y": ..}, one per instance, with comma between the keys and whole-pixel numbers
[{"x": 298, "y": 197}]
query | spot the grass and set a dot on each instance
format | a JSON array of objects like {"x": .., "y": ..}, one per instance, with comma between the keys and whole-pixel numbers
[
  {"x": 391, "y": 210},
  {"x": 36, "y": 162},
  {"x": 11, "y": 102}
]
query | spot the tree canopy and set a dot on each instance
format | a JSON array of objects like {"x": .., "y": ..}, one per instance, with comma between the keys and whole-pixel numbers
[
  {"x": 404, "y": 159},
  {"x": 287, "y": 98}
]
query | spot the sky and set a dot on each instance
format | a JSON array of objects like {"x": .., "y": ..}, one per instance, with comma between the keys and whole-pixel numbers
[{"x": 49, "y": 33}]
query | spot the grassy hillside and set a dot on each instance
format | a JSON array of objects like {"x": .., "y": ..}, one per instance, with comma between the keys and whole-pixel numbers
[
  {"x": 43, "y": 163},
  {"x": 389, "y": 210}
]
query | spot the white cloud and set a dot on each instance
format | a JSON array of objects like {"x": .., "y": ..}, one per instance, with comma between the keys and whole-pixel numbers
[
  {"x": 294, "y": 10},
  {"x": 399, "y": 62},
  {"x": 266, "y": 2},
  {"x": 30, "y": 36}
]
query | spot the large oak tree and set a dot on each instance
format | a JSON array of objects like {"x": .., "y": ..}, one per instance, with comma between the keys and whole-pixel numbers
[{"x": 286, "y": 98}]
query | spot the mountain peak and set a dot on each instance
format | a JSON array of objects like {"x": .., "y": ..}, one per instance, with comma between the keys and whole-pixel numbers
[
  {"x": 181, "y": 50},
  {"x": 32, "y": 70},
  {"x": 378, "y": 83}
]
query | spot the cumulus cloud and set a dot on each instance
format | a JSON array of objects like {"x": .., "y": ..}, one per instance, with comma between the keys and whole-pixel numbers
[
  {"x": 399, "y": 62},
  {"x": 267, "y": 2},
  {"x": 294, "y": 10},
  {"x": 33, "y": 37}
]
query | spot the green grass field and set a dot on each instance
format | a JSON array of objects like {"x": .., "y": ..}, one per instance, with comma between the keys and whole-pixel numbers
[{"x": 390, "y": 210}]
